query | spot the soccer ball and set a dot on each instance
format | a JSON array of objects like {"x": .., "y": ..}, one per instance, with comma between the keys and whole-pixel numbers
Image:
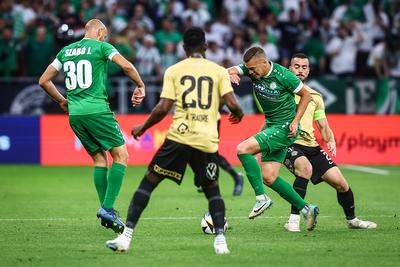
[{"x": 207, "y": 224}]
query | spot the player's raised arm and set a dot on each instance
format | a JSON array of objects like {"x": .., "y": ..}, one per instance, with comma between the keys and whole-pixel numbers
[
  {"x": 157, "y": 114},
  {"x": 48, "y": 86},
  {"x": 133, "y": 74},
  {"x": 327, "y": 135},
  {"x": 301, "y": 107}
]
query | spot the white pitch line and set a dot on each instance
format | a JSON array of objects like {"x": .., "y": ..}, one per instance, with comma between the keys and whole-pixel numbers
[
  {"x": 177, "y": 218},
  {"x": 366, "y": 169}
]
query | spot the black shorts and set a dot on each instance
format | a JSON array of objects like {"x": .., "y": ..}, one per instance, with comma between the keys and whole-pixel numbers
[
  {"x": 172, "y": 157},
  {"x": 319, "y": 159}
]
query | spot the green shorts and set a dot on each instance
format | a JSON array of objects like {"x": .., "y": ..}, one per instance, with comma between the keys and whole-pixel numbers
[
  {"x": 274, "y": 142},
  {"x": 98, "y": 131}
]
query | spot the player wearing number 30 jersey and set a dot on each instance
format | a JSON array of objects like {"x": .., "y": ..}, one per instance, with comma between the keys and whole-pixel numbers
[{"x": 84, "y": 64}]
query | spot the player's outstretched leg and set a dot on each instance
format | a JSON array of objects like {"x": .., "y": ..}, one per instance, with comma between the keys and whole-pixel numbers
[
  {"x": 216, "y": 206},
  {"x": 286, "y": 191},
  {"x": 253, "y": 172},
  {"x": 138, "y": 203}
]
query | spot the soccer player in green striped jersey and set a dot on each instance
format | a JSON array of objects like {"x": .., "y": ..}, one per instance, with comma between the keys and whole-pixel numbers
[
  {"x": 84, "y": 64},
  {"x": 274, "y": 88}
]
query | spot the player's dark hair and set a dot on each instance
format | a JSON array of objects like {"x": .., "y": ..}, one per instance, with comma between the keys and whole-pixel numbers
[
  {"x": 300, "y": 55},
  {"x": 194, "y": 40},
  {"x": 251, "y": 52}
]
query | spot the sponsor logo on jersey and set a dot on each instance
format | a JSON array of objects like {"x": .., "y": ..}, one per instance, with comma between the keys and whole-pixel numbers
[
  {"x": 183, "y": 128},
  {"x": 266, "y": 91}
]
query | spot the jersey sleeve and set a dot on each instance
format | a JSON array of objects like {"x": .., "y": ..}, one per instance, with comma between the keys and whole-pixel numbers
[
  {"x": 109, "y": 51},
  {"x": 291, "y": 82},
  {"x": 242, "y": 69},
  {"x": 168, "y": 89},
  {"x": 225, "y": 85},
  {"x": 319, "y": 112},
  {"x": 57, "y": 62}
]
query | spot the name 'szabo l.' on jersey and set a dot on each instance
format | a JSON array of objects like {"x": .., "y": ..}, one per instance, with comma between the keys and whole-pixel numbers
[
  {"x": 84, "y": 64},
  {"x": 274, "y": 93},
  {"x": 196, "y": 85}
]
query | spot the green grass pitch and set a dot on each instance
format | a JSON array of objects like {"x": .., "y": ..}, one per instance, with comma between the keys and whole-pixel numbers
[{"x": 47, "y": 218}]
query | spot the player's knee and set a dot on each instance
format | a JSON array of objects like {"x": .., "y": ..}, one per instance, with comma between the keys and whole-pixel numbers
[
  {"x": 342, "y": 186},
  {"x": 121, "y": 156},
  {"x": 100, "y": 159},
  {"x": 242, "y": 148},
  {"x": 304, "y": 171},
  {"x": 269, "y": 179}
]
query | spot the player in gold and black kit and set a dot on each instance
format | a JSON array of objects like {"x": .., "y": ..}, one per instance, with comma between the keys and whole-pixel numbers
[
  {"x": 308, "y": 161},
  {"x": 196, "y": 86}
]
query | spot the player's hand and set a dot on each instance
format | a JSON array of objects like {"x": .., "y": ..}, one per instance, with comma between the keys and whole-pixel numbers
[
  {"x": 293, "y": 127},
  {"x": 138, "y": 95},
  {"x": 234, "y": 119},
  {"x": 64, "y": 105},
  {"x": 137, "y": 131},
  {"x": 235, "y": 79},
  {"x": 332, "y": 147}
]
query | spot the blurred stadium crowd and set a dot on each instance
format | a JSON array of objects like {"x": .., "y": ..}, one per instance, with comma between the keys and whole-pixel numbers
[{"x": 358, "y": 38}]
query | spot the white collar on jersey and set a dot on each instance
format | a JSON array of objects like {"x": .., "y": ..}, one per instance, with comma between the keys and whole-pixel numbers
[{"x": 270, "y": 70}]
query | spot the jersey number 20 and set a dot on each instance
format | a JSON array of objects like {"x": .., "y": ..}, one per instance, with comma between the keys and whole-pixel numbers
[
  {"x": 78, "y": 74},
  {"x": 207, "y": 81}
]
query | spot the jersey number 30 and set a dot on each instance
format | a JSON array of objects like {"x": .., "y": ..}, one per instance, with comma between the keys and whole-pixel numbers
[
  {"x": 202, "y": 80},
  {"x": 79, "y": 74}
]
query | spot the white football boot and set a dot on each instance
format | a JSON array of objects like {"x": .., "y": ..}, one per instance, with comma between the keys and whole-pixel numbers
[
  {"x": 122, "y": 242},
  {"x": 263, "y": 202},
  {"x": 360, "y": 224},
  {"x": 220, "y": 245},
  {"x": 293, "y": 223}
]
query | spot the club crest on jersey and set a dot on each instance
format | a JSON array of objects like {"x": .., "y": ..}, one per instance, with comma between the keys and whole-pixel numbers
[
  {"x": 211, "y": 171},
  {"x": 273, "y": 85}
]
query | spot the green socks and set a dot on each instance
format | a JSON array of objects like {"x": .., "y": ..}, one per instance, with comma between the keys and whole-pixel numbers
[
  {"x": 114, "y": 183},
  {"x": 100, "y": 181},
  {"x": 253, "y": 172},
  {"x": 286, "y": 191},
  {"x": 283, "y": 188}
]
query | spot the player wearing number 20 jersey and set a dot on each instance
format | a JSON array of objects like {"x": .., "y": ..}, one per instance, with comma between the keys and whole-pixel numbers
[
  {"x": 197, "y": 95},
  {"x": 196, "y": 86}
]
